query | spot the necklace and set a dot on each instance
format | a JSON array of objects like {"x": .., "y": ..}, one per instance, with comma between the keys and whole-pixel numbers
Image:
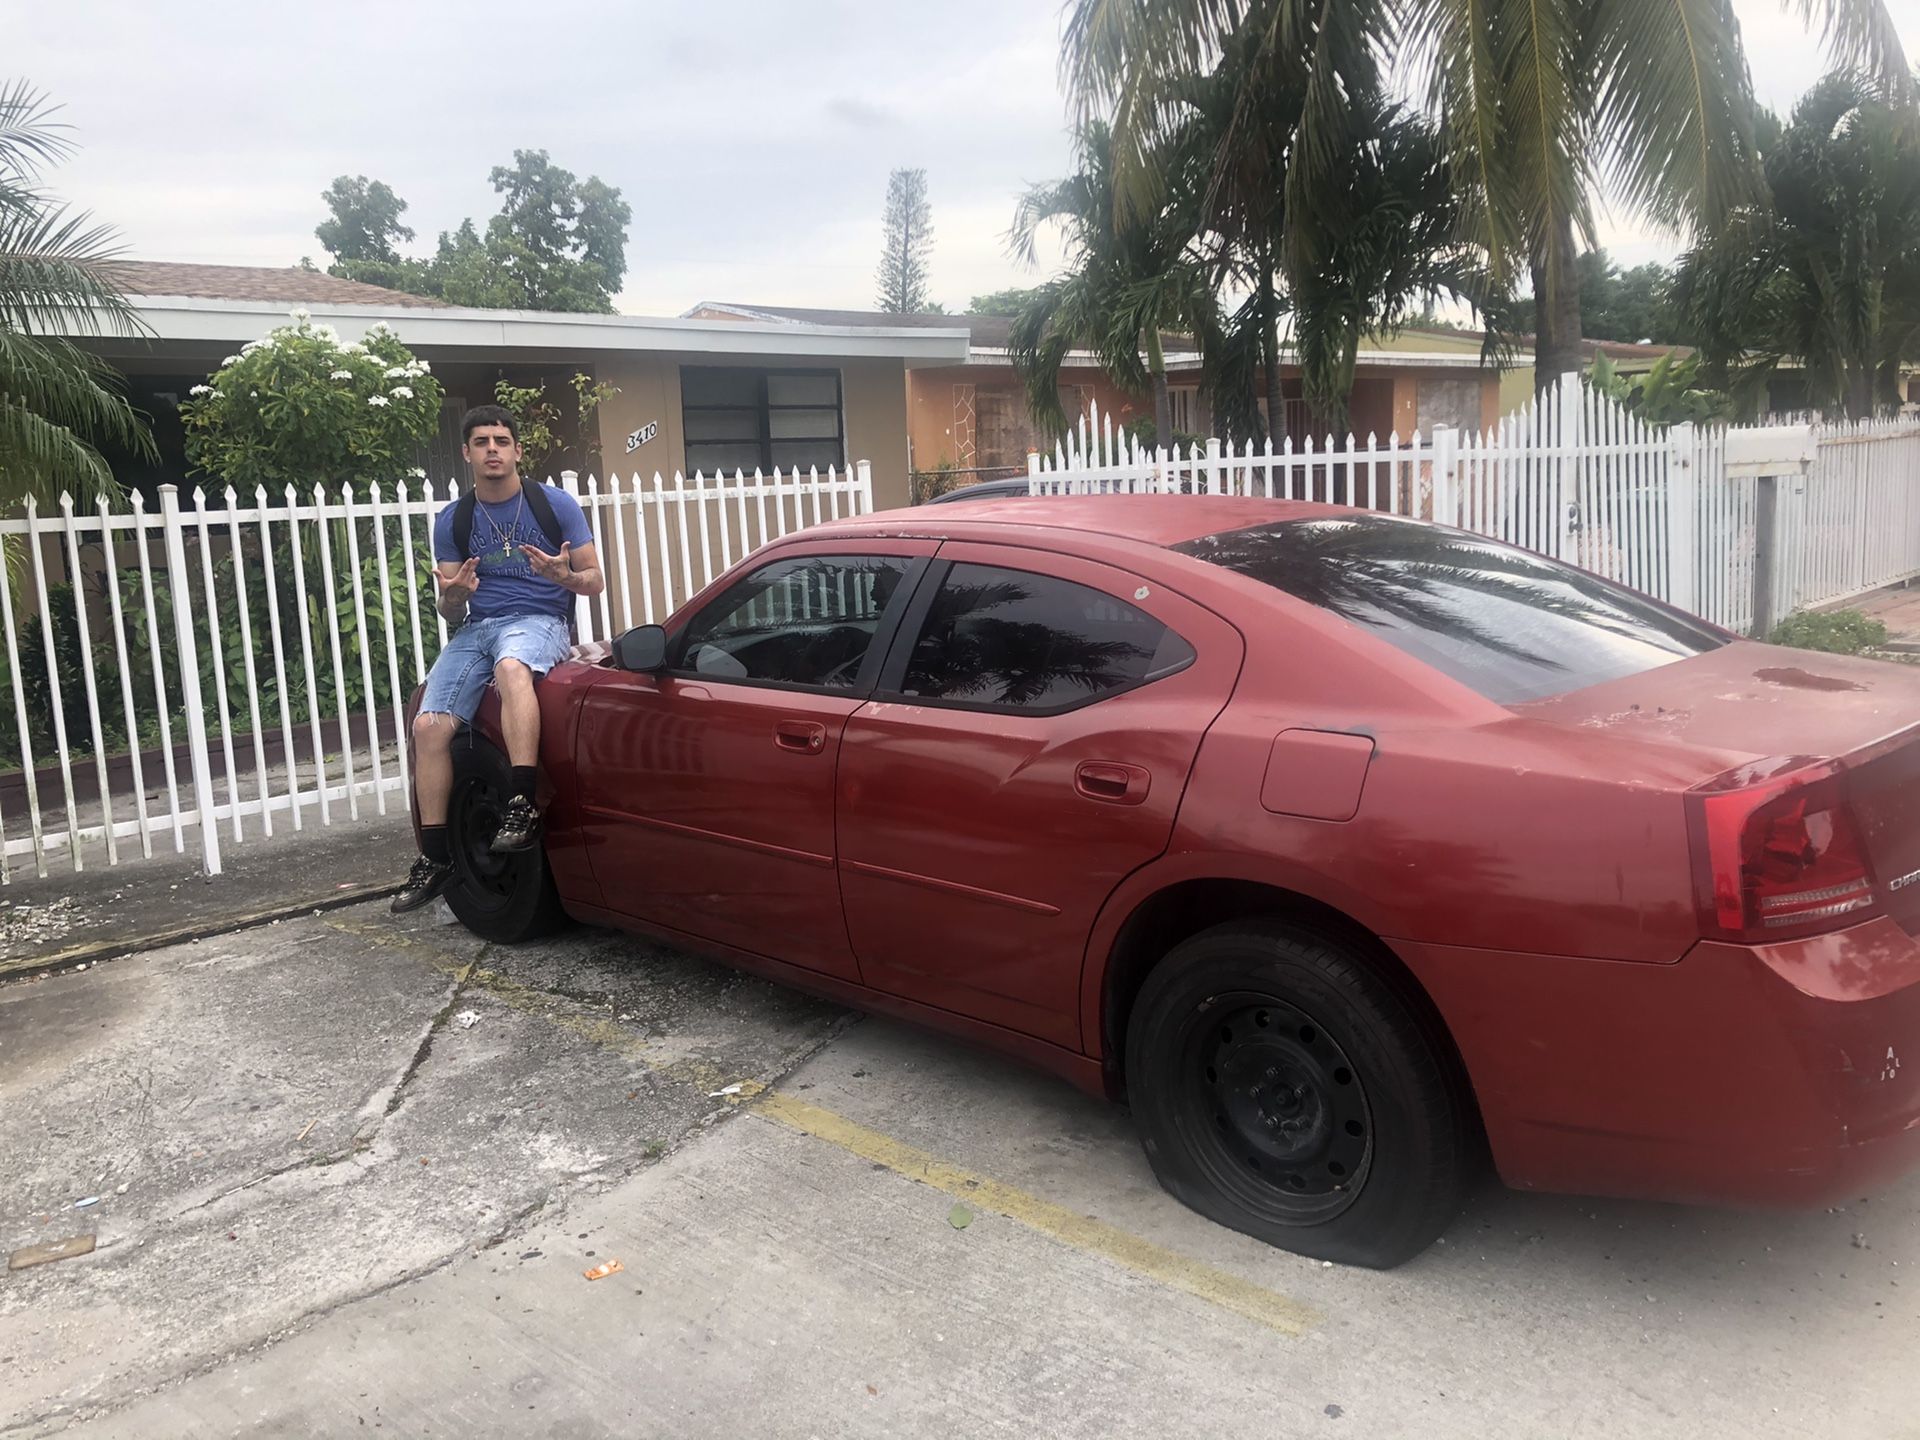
[{"x": 506, "y": 536}]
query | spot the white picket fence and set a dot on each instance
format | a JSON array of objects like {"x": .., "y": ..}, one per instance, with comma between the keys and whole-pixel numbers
[
  {"x": 1578, "y": 477},
  {"x": 249, "y": 663},
  {"x": 1852, "y": 524}
]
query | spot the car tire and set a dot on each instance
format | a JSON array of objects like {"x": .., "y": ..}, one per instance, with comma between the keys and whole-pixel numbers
[
  {"x": 1286, "y": 1087},
  {"x": 504, "y": 898}
]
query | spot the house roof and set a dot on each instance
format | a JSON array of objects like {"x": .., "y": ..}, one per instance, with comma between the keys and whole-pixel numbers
[
  {"x": 990, "y": 331},
  {"x": 229, "y": 305},
  {"x": 988, "y": 336},
  {"x": 291, "y": 286}
]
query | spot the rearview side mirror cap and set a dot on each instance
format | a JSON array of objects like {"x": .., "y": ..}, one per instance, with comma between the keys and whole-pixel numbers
[{"x": 642, "y": 650}]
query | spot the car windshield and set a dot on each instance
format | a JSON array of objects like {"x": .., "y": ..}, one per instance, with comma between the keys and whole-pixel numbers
[{"x": 1512, "y": 625}]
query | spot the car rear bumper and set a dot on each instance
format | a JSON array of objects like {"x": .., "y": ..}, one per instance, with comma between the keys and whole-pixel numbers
[{"x": 1783, "y": 1075}]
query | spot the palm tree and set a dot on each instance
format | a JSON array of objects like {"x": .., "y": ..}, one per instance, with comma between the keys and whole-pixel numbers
[
  {"x": 56, "y": 279},
  {"x": 1246, "y": 106},
  {"x": 1391, "y": 223},
  {"x": 1130, "y": 280},
  {"x": 1538, "y": 102},
  {"x": 1824, "y": 268}
]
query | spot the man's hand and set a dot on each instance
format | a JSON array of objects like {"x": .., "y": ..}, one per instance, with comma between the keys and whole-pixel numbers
[
  {"x": 457, "y": 589},
  {"x": 550, "y": 567}
]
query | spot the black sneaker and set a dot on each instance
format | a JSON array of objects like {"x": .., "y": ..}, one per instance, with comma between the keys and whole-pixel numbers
[
  {"x": 519, "y": 827},
  {"x": 424, "y": 881}
]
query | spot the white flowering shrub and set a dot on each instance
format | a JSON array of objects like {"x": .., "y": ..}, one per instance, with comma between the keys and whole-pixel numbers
[{"x": 299, "y": 408}]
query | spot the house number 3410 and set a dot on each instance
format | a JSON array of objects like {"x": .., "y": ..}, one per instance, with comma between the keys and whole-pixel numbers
[{"x": 641, "y": 436}]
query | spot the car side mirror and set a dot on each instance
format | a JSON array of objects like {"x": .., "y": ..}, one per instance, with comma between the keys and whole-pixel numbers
[{"x": 642, "y": 650}]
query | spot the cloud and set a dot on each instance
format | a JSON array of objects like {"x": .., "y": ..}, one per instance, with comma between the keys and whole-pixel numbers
[{"x": 859, "y": 114}]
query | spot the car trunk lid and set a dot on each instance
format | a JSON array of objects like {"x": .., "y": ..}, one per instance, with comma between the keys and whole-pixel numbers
[{"x": 1748, "y": 713}]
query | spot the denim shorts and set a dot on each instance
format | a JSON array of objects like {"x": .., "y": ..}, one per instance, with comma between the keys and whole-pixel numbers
[{"x": 465, "y": 668}]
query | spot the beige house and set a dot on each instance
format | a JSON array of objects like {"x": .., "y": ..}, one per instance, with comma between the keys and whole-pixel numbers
[
  {"x": 972, "y": 415},
  {"x": 693, "y": 394}
]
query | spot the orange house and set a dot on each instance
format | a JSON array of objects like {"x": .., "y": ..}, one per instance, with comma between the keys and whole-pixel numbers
[{"x": 971, "y": 418}]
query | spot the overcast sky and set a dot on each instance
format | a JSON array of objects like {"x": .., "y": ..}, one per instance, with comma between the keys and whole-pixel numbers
[{"x": 753, "y": 138}]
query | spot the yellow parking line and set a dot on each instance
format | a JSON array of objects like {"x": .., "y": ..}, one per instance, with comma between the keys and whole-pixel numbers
[{"x": 1084, "y": 1233}]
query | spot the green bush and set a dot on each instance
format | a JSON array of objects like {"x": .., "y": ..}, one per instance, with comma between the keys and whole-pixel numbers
[
  {"x": 299, "y": 408},
  {"x": 1837, "y": 632}
]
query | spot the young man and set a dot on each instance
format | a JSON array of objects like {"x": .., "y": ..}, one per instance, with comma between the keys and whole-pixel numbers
[{"x": 515, "y": 599}]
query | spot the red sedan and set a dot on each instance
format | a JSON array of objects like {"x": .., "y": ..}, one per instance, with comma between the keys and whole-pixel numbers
[{"x": 1347, "y": 848}]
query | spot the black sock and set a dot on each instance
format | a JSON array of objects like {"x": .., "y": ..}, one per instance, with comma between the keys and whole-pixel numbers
[
  {"x": 523, "y": 781},
  {"x": 433, "y": 844}
]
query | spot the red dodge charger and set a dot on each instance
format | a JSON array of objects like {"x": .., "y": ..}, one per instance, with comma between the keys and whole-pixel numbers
[{"x": 1348, "y": 849}]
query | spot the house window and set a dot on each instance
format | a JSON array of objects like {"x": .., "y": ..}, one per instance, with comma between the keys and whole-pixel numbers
[
  {"x": 739, "y": 419},
  {"x": 1182, "y": 400}
]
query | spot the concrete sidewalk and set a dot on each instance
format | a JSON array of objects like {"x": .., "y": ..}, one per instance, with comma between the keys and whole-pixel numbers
[
  {"x": 1897, "y": 608},
  {"x": 71, "y": 918}
]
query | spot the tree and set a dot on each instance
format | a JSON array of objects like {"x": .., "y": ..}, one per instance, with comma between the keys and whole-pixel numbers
[
  {"x": 909, "y": 241},
  {"x": 57, "y": 402},
  {"x": 365, "y": 222},
  {"x": 1392, "y": 220},
  {"x": 1824, "y": 267},
  {"x": 1010, "y": 301},
  {"x": 1537, "y": 101},
  {"x": 1126, "y": 283},
  {"x": 558, "y": 243},
  {"x": 1625, "y": 305}
]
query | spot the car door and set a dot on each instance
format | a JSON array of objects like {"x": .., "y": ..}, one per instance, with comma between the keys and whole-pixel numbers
[
  {"x": 709, "y": 790},
  {"x": 1026, "y": 752}
]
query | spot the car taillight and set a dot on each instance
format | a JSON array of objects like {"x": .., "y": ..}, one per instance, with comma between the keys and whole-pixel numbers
[{"x": 1781, "y": 858}]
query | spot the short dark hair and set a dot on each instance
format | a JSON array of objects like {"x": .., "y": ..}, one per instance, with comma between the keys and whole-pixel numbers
[{"x": 487, "y": 415}]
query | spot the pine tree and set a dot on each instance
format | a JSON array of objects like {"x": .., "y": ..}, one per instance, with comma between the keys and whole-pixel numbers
[{"x": 909, "y": 224}]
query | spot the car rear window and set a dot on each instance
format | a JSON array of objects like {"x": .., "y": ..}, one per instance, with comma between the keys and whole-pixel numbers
[{"x": 1510, "y": 624}]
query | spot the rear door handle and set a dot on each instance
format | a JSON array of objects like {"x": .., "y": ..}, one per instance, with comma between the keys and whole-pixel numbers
[
  {"x": 1113, "y": 783},
  {"x": 803, "y": 737}
]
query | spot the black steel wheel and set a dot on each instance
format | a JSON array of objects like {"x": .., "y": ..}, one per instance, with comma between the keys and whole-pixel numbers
[
  {"x": 1291, "y": 1088},
  {"x": 1295, "y": 1134},
  {"x": 506, "y": 898}
]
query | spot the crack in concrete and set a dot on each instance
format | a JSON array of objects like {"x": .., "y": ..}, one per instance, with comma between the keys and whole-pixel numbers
[
  {"x": 434, "y": 1027},
  {"x": 696, "y": 1071},
  {"x": 360, "y": 1145}
]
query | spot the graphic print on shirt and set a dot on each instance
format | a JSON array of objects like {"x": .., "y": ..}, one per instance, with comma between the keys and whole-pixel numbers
[{"x": 508, "y": 583}]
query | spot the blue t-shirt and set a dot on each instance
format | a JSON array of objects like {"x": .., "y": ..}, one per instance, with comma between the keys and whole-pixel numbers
[{"x": 507, "y": 583}]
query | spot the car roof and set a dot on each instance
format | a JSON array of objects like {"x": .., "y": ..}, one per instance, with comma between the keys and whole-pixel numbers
[{"x": 1157, "y": 520}]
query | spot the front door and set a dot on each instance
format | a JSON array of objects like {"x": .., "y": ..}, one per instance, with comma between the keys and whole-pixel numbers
[
  {"x": 1029, "y": 754},
  {"x": 711, "y": 809}
]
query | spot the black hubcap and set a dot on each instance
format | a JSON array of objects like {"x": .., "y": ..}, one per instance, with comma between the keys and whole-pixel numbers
[{"x": 1286, "y": 1123}]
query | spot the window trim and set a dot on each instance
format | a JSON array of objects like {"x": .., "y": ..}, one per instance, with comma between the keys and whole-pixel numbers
[
  {"x": 913, "y": 618},
  {"x": 763, "y": 410},
  {"x": 885, "y": 631}
]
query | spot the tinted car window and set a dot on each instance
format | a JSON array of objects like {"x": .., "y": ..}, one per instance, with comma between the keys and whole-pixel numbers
[
  {"x": 807, "y": 621},
  {"x": 1016, "y": 640},
  {"x": 1510, "y": 624}
]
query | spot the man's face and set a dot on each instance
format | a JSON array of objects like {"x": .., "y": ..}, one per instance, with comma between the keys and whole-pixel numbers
[{"x": 492, "y": 452}]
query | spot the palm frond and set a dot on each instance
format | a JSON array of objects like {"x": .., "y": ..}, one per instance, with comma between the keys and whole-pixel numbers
[
  {"x": 65, "y": 385},
  {"x": 57, "y": 274},
  {"x": 39, "y": 458},
  {"x": 1861, "y": 33},
  {"x": 1675, "y": 107},
  {"x": 29, "y": 136}
]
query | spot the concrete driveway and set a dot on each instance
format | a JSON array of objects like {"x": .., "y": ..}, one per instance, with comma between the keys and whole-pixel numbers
[{"x": 349, "y": 1175}]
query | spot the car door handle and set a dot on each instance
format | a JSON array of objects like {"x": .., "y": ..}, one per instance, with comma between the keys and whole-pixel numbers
[
  {"x": 803, "y": 737},
  {"x": 1112, "y": 783}
]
